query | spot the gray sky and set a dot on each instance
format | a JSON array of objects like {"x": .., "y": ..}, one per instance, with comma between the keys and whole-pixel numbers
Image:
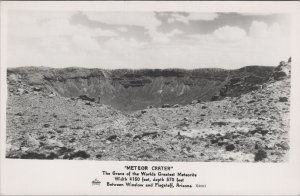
[{"x": 146, "y": 39}]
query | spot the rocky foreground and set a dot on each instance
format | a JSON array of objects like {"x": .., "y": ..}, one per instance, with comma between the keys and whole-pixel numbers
[{"x": 251, "y": 127}]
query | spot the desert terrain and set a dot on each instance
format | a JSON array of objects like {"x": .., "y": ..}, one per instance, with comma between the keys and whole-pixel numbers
[{"x": 199, "y": 115}]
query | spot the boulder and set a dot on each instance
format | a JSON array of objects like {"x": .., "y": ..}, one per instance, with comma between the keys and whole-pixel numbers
[
  {"x": 79, "y": 154},
  {"x": 112, "y": 138},
  {"x": 283, "y": 99},
  {"x": 230, "y": 147},
  {"x": 260, "y": 155},
  {"x": 20, "y": 91},
  {"x": 187, "y": 119},
  {"x": 51, "y": 95},
  {"x": 37, "y": 89},
  {"x": 194, "y": 101},
  {"x": 215, "y": 98},
  {"x": 220, "y": 124}
]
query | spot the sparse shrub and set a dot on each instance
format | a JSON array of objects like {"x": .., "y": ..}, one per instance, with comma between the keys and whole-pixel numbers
[
  {"x": 80, "y": 153},
  {"x": 260, "y": 155},
  {"x": 283, "y": 99},
  {"x": 230, "y": 147}
]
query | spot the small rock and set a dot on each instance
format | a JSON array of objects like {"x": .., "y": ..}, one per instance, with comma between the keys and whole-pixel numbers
[
  {"x": 219, "y": 123},
  {"x": 63, "y": 126},
  {"x": 137, "y": 137},
  {"x": 251, "y": 101},
  {"x": 20, "y": 91},
  {"x": 143, "y": 111},
  {"x": 269, "y": 146},
  {"x": 176, "y": 106},
  {"x": 215, "y": 98},
  {"x": 42, "y": 137},
  {"x": 149, "y": 133},
  {"x": 279, "y": 75},
  {"x": 52, "y": 142},
  {"x": 187, "y": 119},
  {"x": 184, "y": 129}
]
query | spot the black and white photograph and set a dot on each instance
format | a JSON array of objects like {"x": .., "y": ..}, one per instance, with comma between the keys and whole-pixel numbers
[
  {"x": 151, "y": 86},
  {"x": 173, "y": 91}
]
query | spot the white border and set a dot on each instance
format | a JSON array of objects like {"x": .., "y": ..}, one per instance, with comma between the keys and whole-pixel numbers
[{"x": 23, "y": 177}]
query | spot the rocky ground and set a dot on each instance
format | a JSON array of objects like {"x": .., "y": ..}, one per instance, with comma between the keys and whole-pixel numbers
[{"x": 249, "y": 128}]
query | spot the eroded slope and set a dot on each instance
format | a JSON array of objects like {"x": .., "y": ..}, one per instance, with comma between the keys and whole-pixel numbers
[{"x": 130, "y": 90}]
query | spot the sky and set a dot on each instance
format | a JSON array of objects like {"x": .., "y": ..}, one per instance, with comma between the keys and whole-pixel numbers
[{"x": 135, "y": 40}]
